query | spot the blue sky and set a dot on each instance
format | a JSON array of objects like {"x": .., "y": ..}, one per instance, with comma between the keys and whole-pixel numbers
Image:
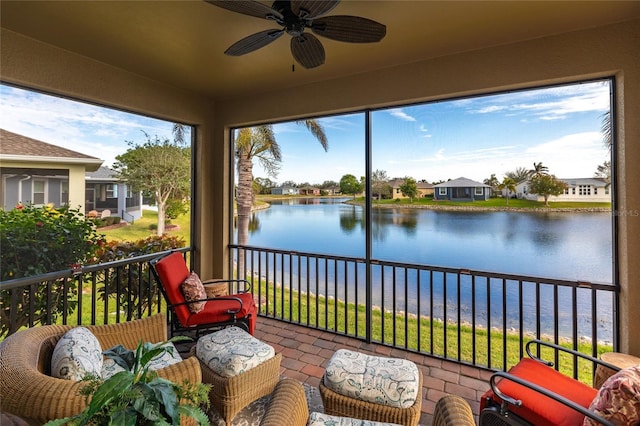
[{"x": 471, "y": 137}]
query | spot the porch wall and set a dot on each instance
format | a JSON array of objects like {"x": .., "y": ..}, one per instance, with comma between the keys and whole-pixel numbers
[{"x": 599, "y": 52}]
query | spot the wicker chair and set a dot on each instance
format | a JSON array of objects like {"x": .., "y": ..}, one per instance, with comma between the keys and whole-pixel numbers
[
  {"x": 27, "y": 389},
  {"x": 452, "y": 410},
  {"x": 287, "y": 406}
]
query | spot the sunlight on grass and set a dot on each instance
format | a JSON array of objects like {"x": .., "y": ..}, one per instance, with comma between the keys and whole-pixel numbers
[{"x": 141, "y": 228}]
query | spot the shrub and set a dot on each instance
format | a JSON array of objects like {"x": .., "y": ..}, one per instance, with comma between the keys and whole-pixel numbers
[{"x": 37, "y": 240}]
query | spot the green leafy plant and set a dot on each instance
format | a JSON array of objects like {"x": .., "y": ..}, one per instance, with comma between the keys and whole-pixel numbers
[
  {"x": 137, "y": 396},
  {"x": 36, "y": 240}
]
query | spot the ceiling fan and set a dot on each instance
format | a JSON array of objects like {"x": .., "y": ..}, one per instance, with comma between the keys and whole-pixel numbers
[{"x": 295, "y": 17}]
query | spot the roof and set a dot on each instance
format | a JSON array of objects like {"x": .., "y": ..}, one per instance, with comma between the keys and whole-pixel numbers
[
  {"x": 585, "y": 181},
  {"x": 103, "y": 173},
  {"x": 461, "y": 182},
  {"x": 23, "y": 148},
  {"x": 420, "y": 184}
]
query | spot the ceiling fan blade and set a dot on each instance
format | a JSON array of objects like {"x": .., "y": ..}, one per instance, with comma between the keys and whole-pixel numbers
[
  {"x": 307, "y": 50},
  {"x": 253, "y": 42},
  {"x": 313, "y": 9},
  {"x": 351, "y": 29},
  {"x": 247, "y": 7}
]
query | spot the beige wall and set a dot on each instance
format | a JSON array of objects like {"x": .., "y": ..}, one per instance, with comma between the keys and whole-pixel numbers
[{"x": 600, "y": 52}]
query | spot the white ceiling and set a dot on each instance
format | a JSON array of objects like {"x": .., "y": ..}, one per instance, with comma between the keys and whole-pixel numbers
[{"x": 181, "y": 43}]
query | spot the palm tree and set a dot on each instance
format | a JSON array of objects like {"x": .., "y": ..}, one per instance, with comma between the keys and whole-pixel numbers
[
  {"x": 519, "y": 174},
  {"x": 260, "y": 142},
  {"x": 510, "y": 185},
  {"x": 538, "y": 169},
  {"x": 607, "y": 130}
]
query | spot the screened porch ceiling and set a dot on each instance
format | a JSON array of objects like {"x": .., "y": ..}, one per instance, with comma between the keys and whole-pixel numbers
[{"x": 181, "y": 43}]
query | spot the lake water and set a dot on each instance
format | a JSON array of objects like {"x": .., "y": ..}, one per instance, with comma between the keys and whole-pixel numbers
[
  {"x": 569, "y": 246},
  {"x": 572, "y": 246}
]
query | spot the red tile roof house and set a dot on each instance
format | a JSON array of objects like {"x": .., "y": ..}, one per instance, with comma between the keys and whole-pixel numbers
[{"x": 39, "y": 173}]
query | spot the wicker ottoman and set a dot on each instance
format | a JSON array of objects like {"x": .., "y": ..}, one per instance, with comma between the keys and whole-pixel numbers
[
  {"x": 239, "y": 368},
  {"x": 320, "y": 419},
  {"x": 372, "y": 388}
]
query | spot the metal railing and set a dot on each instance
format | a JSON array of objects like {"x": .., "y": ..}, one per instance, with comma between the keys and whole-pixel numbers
[
  {"x": 104, "y": 293},
  {"x": 473, "y": 317},
  {"x": 478, "y": 318}
]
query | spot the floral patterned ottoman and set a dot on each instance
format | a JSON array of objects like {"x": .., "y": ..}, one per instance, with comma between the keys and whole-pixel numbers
[
  {"x": 239, "y": 368},
  {"x": 372, "y": 387}
]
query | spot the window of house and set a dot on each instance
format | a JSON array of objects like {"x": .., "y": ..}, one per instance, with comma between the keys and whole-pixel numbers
[
  {"x": 64, "y": 192},
  {"x": 112, "y": 191},
  {"x": 39, "y": 194},
  {"x": 479, "y": 191},
  {"x": 442, "y": 191}
]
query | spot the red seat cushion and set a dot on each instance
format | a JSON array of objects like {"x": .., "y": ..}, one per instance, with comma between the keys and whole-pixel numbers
[
  {"x": 537, "y": 408},
  {"x": 216, "y": 311}
]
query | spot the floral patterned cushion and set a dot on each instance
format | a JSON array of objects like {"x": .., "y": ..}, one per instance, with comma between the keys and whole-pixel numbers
[
  {"x": 387, "y": 381},
  {"x": 77, "y": 353},
  {"x": 193, "y": 289},
  {"x": 165, "y": 359},
  {"x": 320, "y": 419},
  {"x": 232, "y": 351},
  {"x": 618, "y": 400}
]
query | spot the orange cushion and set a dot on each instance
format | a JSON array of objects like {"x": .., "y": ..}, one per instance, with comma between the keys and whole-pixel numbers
[{"x": 537, "y": 408}]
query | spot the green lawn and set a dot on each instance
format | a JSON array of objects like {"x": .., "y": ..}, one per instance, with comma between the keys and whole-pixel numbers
[
  {"x": 490, "y": 203},
  {"x": 141, "y": 228}
]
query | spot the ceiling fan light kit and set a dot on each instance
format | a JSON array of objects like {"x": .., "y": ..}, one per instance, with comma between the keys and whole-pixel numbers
[{"x": 295, "y": 17}]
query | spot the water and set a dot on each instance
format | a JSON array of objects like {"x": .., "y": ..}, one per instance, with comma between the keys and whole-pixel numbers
[{"x": 572, "y": 246}]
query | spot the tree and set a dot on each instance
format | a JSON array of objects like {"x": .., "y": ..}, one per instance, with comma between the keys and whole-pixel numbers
[
  {"x": 518, "y": 175},
  {"x": 349, "y": 184},
  {"x": 328, "y": 184},
  {"x": 493, "y": 182},
  {"x": 160, "y": 167},
  {"x": 545, "y": 186},
  {"x": 263, "y": 185},
  {"x": 290, "y": 183},
  {"x": 409, "y": 188},
  {"x": 604, "y": 172},
  {"x": 538, "y": 169},
  {"x": 607, "y": 130},
  {"x": 508, "y": 184},
  {"x": 260, "y": 142},
  {"x": 380, "y": 187}
]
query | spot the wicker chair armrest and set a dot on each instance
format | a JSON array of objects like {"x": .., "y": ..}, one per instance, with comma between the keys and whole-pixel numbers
[
  {"x": 288, "y": 405},
  {"x": 187, "y": 370},
  {"x": 546, "y": 392},
  {"x": 539, "y": 343},
  {"x": 452, "y": 410}
]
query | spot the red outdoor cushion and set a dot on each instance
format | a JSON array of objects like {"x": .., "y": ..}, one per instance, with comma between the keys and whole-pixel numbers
[
  {"x": 216, "y": 311},
  {"x": 173, "y": 271},
  {"x": 537, "y": 408}
]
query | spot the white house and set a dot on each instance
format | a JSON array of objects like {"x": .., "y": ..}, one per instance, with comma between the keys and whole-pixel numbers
[{"x": 578, "y": 190}]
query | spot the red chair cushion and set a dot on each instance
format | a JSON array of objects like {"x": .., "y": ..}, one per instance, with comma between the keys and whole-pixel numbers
[
  {"x": 216, "y": 311},
  {"x": 537, "y": 408},
  {"x": 172, "y": 271}
]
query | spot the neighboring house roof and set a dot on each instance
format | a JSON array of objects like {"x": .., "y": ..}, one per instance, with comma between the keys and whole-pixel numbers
[
  {"x": 17, "y": 147},
  {"x": 104, "y": 174},
  {"x": 399, "y": 181},
  {"x": 584, "y": 181},
  {"x": 461, "y": 182}
]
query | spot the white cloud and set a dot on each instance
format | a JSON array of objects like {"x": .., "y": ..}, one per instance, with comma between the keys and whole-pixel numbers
[{"x": 399, "y": 113}]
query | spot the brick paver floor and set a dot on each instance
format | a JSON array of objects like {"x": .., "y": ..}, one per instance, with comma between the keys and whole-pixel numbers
[{"x": 306, "y": 353}]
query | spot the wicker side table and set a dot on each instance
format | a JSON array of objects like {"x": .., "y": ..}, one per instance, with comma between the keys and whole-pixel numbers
[{"x": 615, "y": 358}]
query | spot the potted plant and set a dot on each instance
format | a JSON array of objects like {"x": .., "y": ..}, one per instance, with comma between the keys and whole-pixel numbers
[{"x": 137, "y": 396}]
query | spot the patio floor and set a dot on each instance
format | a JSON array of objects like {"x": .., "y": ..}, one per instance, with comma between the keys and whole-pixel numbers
[{"x": 306, "y": 352}]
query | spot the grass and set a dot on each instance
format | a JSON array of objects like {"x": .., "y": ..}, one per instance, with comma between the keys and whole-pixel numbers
[
  {"x": 141, "y": 228},
  {"x": 492, "y": 203},
  {"x": 417, "y": 334}
]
